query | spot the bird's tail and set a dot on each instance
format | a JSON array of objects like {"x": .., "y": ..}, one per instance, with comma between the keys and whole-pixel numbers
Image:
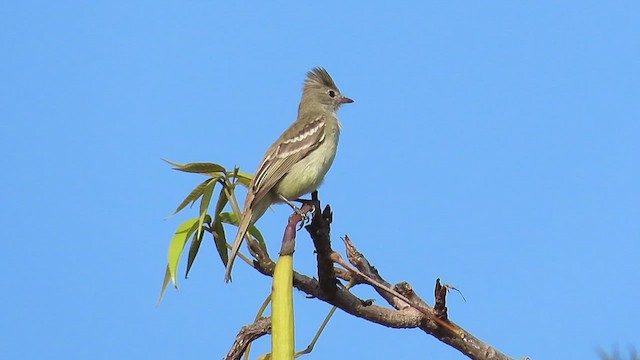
[{"x": 243, "y": 226}]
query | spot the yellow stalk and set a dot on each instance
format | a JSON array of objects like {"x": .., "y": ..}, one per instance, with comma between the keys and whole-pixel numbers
[{"x": 282, "y": 335}]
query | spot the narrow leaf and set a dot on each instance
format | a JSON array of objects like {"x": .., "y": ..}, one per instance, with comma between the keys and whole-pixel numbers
[
  {"x": 222, "y": 201},
  {"x": 165, "y": 282},
  {"x": 219, "y": 236},
  {"x": 193, "y": 196},
  {"x": 177, "y": 246},
  {"x": 197, "y": 167},
  {"x": 220, "y": 239},
  {"x": 207, "y": 193},
  {"x": 244, "y": 178},
  {"x": 193, "y": 250}
]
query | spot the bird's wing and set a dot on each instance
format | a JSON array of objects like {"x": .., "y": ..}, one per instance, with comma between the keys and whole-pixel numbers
[{"x": 294, "y": 144}]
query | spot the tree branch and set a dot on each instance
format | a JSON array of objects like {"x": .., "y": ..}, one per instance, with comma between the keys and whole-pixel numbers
[
  {"x": 414, "y": 314},
  {"x": 247, "y": 334}
]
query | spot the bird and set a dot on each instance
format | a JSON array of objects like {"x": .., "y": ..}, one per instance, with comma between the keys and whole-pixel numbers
[{"x": 297, "y": 162}]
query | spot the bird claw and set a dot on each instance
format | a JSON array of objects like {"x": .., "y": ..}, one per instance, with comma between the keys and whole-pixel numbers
[{"x": 306, "y": 218}]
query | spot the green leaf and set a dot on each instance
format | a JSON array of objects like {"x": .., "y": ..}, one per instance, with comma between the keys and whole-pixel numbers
[
  {"x": 203, "y": 218},
  {"x": 244, "y": 178},
  {"x": 222, "y": 201},
  {"x": 177, "y": 246},
  {"x": 221, "y": 241},
  {"x": 165, "y": 282},
  {"x": 195, "y": 247},
  {"x": 231, "y": 218},
  {"x": 207, "y": 193},
  {"x": 198, "y": 167},
  {"x": 194, "y": 195},
  {"x": 219, "y": 236}
]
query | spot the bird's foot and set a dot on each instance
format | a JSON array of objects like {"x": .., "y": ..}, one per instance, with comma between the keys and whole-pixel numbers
[{"x": 306, "y": 218}]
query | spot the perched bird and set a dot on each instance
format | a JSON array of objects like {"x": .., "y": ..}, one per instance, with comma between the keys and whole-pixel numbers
[{"x": 297, "y": 162}]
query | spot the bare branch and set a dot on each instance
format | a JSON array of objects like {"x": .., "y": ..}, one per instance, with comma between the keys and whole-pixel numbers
[
  {"x": 319, "y": 227},
  {"x": 247, "y": 334},
  {"x": 415, "y": 314}
]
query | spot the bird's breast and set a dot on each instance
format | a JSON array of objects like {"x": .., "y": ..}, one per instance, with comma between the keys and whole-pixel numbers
[{"x": 307, "y": 174}]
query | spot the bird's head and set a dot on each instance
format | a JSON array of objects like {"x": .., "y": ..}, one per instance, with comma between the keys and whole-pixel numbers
[{"x": 320, "y": 90}]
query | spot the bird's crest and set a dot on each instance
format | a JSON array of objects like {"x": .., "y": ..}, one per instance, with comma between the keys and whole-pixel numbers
[{"x": 319, "y": 77}]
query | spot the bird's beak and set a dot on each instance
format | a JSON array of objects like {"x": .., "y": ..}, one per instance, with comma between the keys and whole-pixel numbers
[{"x": 345, "y": 100}]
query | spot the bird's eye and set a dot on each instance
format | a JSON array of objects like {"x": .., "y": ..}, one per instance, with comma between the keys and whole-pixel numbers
[{"x": 332, "y": 93}]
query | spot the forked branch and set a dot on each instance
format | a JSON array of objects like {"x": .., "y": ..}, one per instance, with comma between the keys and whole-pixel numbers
[{"x": 409, "y": 310}]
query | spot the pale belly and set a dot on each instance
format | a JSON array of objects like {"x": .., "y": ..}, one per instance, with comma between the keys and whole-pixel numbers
[{"x": 307, "y": 175}]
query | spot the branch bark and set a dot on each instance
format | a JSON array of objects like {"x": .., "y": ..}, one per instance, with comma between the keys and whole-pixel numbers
[
  {"x": 402, "y": 315},
  {"x": 247, "y": 334}
]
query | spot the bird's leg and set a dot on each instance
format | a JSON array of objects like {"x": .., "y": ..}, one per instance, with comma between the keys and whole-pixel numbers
[
  {"x": 295, "y": 208},
  {"x": 306, "y": 202},
  {"x": 305, "y": 217},
  {"x": 309, "y": 202}
]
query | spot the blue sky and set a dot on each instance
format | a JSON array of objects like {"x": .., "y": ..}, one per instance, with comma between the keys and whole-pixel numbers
[{"x": 492, "y": 145}]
